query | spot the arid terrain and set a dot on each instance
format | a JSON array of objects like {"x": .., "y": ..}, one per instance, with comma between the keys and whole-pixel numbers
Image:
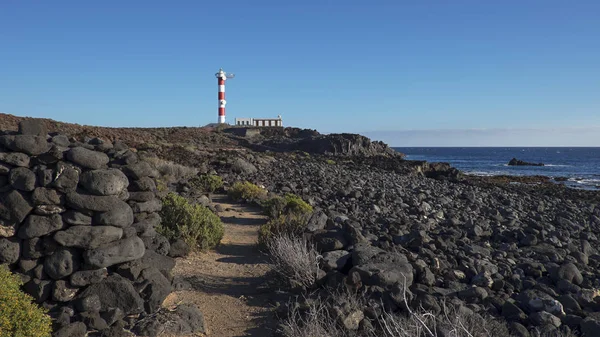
[
  {"x": 229, "y": 284},
  {"x": 405, "y": 240}
]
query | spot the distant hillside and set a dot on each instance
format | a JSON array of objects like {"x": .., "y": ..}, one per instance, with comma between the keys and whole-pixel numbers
[
  {"x": 209, "y": 137},
  {"x": 132, "y": 136}
]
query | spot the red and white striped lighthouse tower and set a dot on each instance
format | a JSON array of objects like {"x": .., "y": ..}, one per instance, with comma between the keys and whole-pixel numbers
[{"x": 221, "y": 78}]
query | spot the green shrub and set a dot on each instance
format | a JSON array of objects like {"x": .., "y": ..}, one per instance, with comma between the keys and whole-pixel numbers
[
  {"x": 19, "y": 316},
  {"x": 246, "y": 191},
  {"x": 288, "y": 216},
  {"x": 207, "y": 182},
  {"x": 295, "y": 204},
  {"x": 289, "y": 204},
  {"x": 194, "y": 223},
  {"x": 161, "y": 185},
  {"x": 274, "y": 207},
  {"x": 330, "y": 162}
]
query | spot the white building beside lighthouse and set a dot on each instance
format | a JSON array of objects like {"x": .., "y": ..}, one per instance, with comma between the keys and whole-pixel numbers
[{"x": 260, "y": 122}]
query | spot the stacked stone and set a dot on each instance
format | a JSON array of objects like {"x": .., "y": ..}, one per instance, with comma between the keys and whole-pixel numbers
[{"x": 77, "y": 223}]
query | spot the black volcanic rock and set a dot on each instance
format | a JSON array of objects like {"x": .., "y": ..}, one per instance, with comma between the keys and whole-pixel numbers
[
  {"x": 311, "y": 141},
  {"x": 511, "y": 250},
  {"x": 522, "y": 253},
  {"x": 29, "y": 144},
  {"x": 115, "y": 252},
  {"x": 67, "y": 227},
  {"x": 116, "y": 292},
  {"x": 87, "y": 158},
  {"x": 517, "y": 162}
]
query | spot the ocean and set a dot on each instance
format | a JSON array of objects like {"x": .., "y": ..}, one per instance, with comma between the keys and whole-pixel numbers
[{"x": 580, "y": 165}]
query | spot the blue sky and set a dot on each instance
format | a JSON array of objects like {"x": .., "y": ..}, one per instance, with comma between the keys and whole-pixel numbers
[{"x": 334, "y": 66}]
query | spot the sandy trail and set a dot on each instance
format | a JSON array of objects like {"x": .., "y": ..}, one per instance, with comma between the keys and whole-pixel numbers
[{"x": 229, "y": 284}]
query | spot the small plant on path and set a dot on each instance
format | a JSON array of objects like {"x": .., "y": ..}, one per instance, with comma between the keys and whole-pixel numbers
[
  {"x": 207, "y": 182},
  {"x": 288, "y": 215},
  {"x": 247, "y": 191},
  {"x": 197, "y": 225}
]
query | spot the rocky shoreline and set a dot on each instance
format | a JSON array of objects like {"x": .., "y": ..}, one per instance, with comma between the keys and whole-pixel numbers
[{"x": 526, "y": 253}]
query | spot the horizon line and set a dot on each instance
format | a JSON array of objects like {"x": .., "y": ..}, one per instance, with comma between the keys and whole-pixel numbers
[
  {"x": 491, "y": 129},
  {"x": 499, "y": 146}
]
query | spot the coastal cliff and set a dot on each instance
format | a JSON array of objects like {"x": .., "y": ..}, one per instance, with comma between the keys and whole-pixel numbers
[{"x": 311, "y": 141}]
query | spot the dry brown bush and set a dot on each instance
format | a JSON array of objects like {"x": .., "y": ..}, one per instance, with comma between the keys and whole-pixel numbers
[
  {"x": 453, "y": 322},
  {"x": 170, "y": 171},
  {"x": 318, "y": 319},
  {"x": 311, "y": 321},
  {"x": 294, "y": 259}
]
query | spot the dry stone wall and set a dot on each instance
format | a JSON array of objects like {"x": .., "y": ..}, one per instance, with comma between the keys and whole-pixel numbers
[{"x": 77, "y": 223}]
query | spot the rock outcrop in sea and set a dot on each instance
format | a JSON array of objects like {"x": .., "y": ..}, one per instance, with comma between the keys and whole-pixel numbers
[{"x": 517, "y": 162}]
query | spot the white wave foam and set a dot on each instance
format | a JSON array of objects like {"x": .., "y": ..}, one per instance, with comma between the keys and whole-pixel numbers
[
  {"x": 583, "y": 179},
  {"x": 585, "y": 183},
  {"x": 485, "y": 173},
  {"x": 589, "y": 181}
]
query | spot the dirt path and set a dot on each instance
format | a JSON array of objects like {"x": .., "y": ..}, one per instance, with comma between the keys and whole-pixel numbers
[{"x": 229, "y": 283}]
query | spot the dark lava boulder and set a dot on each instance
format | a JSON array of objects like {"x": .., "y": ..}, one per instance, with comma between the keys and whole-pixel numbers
[
  {"x": 40, "y": 290},
  {"x": 156, "y": 287},
  {"x": 241, "y": 165},
  {"x": 115, "y": 252},
  {"x": 10, "y": 249},
  {"x": 67, "y": 178},
  {"x": 39, "y": 225},
  {"x": 116, "y": 292},
  {"x": 139, "y": 170},
  {"x": 517, "y": 162},
  {"x": 104, "y": 182},
  {"x": 121, "y": 215},
  {"x": 179, "y": 248},
  {"x": 22, "y": 179},
  {"x": 186, "y": 319},
  {"x": 384, "y": 270},
  {"x": 87, "y": 158},
  {"x": 29, "y": 144},
  {"x": 62, "y": 263},
  {"x": 86, "y": 277},
  {"x": 77, "y": 329},
  {"x": 95, "y": 203},
  {"x": 18, "y": 205},
  {"x": 33, "y": 127},
  {"x": 15, "y": 159},
  {"x": 88, "y": 237}
]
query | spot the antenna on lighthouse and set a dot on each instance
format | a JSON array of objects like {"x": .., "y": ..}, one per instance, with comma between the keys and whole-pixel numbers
[{"x": 221, "y": 77}]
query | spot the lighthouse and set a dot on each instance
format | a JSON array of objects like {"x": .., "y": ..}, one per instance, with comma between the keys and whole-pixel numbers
[{"x": 221, "y": 78}]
